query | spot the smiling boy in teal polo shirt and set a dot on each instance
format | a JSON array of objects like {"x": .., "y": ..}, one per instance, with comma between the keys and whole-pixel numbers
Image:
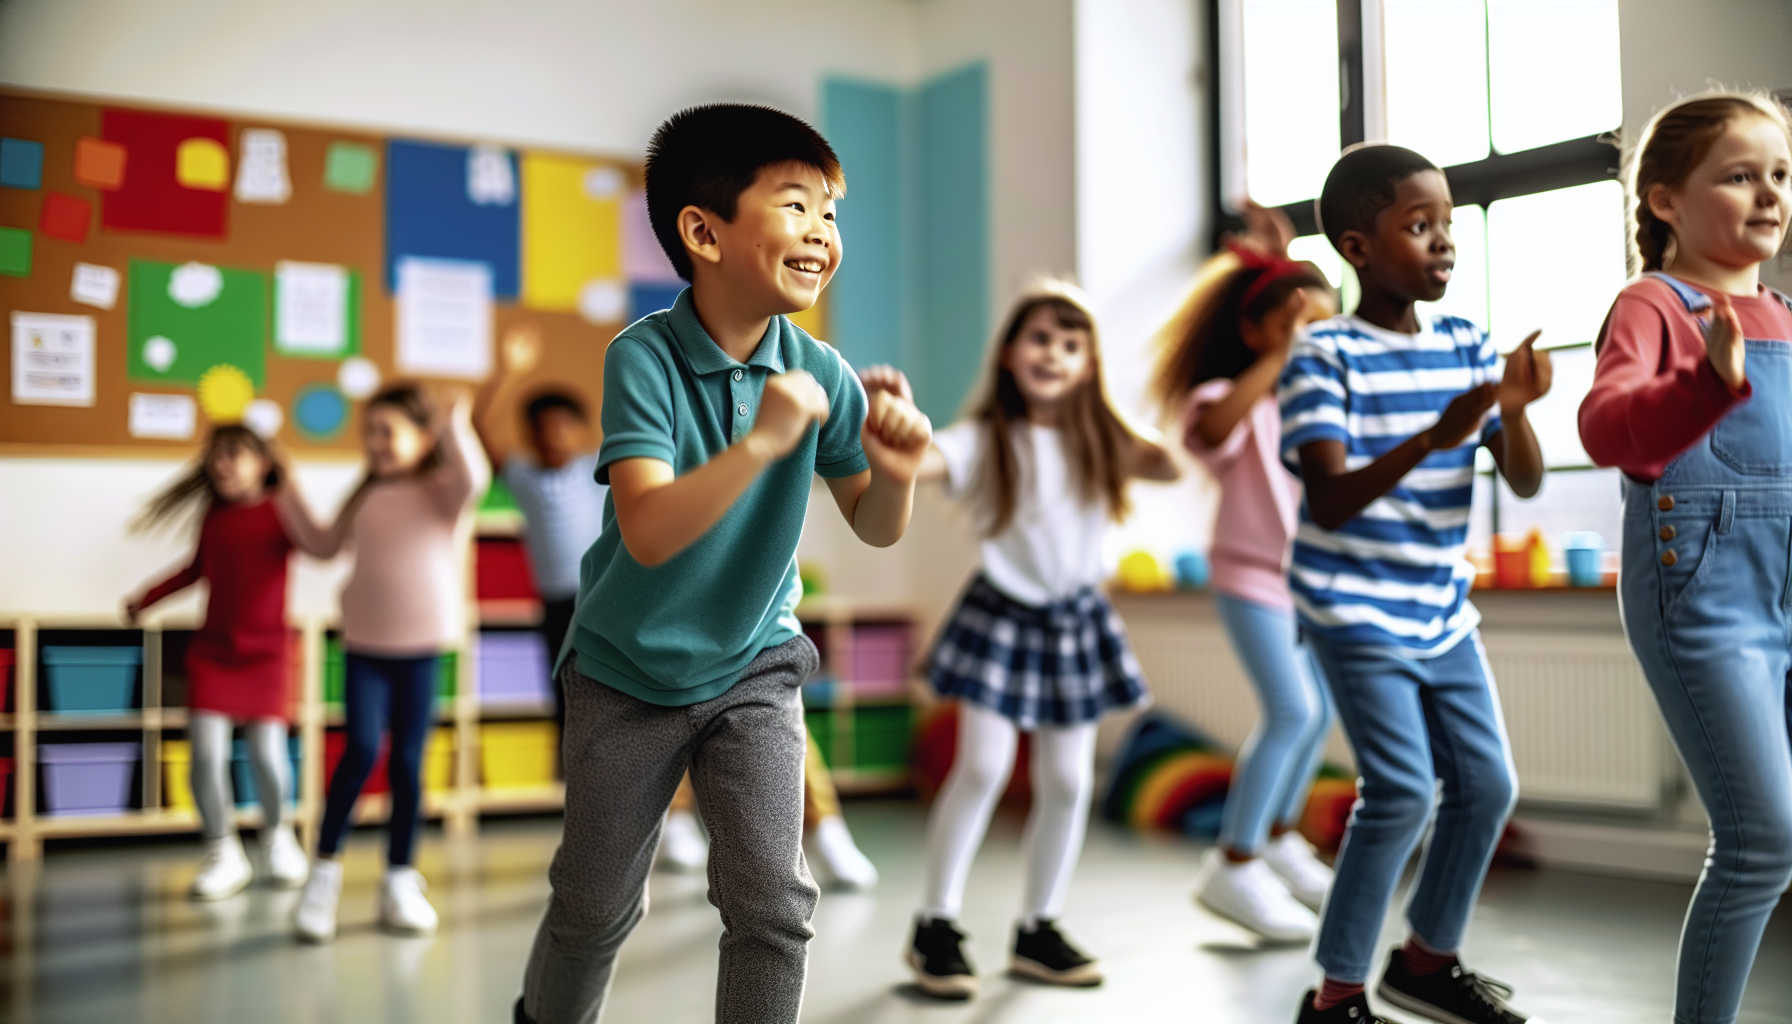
[{"x": 686, "y": 651}]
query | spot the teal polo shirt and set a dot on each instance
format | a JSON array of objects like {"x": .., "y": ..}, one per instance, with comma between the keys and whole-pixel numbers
[{"x": 681, "y": 632}]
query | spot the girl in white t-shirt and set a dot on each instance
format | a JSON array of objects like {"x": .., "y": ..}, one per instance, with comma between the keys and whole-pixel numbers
[{"x": 1033, "y": 646}]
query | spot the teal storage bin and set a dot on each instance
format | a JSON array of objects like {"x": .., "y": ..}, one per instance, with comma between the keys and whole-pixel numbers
[
  {"x": 242, "y": 774},
  {"x": 92, "y": 680}
]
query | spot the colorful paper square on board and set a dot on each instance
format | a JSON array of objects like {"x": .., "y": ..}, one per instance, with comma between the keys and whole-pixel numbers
[
  {"x": 642, "y": 257},
  {"x": 21, "y": 163},
  {"x": 186, "y": 318},
  {"x": 351, "y": 167},
  {"x": 152, "y": 198},
  {"x": 571, "y": 228},
  {"x": 98, "y": 163},
  {"x": 650, "y": 297},
  {"x": 430, "y": 213},
  {"x": 66, "y": 217},
  {"x": 202, "y": 163},
  {"x": 15, "y": 252}
]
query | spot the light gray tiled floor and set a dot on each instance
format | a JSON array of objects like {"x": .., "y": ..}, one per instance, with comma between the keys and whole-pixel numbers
[{"x": 105, "y": 935}]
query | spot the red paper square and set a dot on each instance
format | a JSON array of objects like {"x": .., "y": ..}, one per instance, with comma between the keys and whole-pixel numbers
[
  {"x": 65, "y": 217},
  {"x": 151, "y": 199},
  {"x": 98, "y": 163}
]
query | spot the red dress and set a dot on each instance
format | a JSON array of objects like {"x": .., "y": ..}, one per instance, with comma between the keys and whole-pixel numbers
[{"x": 241, "y": 662}]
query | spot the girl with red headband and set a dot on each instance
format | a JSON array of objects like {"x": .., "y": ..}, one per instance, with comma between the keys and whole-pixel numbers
[{"x": 1220, "y": 359}]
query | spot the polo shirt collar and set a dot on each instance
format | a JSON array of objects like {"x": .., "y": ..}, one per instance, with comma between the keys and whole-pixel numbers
[{"x": 702, "y": 352}]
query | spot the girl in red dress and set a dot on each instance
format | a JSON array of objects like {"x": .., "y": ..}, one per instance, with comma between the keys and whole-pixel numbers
[{"x": 240, "y": 663}]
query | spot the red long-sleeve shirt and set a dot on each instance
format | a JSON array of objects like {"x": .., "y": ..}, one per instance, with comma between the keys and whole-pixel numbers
[{"x": 1655, "y": 393}]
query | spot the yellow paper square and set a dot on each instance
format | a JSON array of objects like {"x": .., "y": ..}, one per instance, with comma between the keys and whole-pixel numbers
[
  {"x": 572, "y": 214},
  {"x": 202, "y": 164}
]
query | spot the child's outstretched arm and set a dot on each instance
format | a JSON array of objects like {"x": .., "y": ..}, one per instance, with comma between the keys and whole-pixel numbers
[
  {"x": 660, "y": 514},
  {"x": 518, "y": 354},
  {"x": 898, "y": 442},
  {"x": 1515, "y": 449},
  {"x": 181, "y": 580}
]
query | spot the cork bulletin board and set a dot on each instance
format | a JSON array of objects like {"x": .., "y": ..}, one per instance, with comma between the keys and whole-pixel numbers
[{"x": 161, "y": 270}]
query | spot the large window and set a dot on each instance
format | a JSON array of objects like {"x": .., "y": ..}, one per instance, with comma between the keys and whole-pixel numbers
[{"x": 1512, "y": 98}]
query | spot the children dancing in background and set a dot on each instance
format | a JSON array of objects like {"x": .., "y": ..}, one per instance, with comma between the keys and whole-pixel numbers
[
  {"x": 1222, "y": 356},
  {"x": 404, "y": 604},
  {"x": 1033, "y": 646},
  {"x": 1692, "y": 399},
  {"x": 1381, "y": 583},
  {"x": 240, "y": 664}
]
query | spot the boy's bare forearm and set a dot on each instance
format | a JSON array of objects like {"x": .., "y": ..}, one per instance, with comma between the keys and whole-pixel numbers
[
  {"x": 1518, "y": 454},
  {"x": 1334, "y": 495},
  {"x": 660, "y": 514},
  {"x": 880, "y": 517}
]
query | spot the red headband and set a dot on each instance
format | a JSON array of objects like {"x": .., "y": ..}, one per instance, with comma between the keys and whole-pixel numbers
[{"x": 1273, "y": 269}]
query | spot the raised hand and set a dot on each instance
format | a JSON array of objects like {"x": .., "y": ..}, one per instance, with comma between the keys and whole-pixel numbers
[
  {"x": 896, "y": 435},
  {"x": 521, "y": 349},
  {"x": 886, "y": 378},
  {"x": 790, "y": 402},
  {"x": 1462, "y": 417},
  {"x": 1724, "y": 344},
  {"x": 1528, "y": 375},
  {"x": 1267, "y": 230}
]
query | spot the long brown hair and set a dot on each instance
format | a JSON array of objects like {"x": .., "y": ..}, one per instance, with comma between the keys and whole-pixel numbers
[
  {"x": 1676, "y": 140},
  {"x": 193, "y": 493},
  {"x": 1096, "y": 440}
]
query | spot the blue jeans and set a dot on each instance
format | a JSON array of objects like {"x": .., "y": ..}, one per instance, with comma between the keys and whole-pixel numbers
[
  {"x": 381, "y": 693},
  {"x": 1276, "y": 768},
  {"x": 1413, "y": 724}
]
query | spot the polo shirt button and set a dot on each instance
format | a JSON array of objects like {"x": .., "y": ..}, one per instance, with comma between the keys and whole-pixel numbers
[
  {"x": 1665, "y": 503},
  {"x": 1668, "y": 557},
  {"x": 738, "y": 375},
  {"x": 1668, "y": 532},
  {"x": 741, "y": 408}
]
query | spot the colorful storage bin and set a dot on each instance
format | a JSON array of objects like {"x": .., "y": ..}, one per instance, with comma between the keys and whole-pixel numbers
[
  {"x": 242, "y": 773},
  {"x": 880, "y": 737},
  {"x": 92, "y": 680},
  {"x": 501, "y": 571},
  {"x": 880, "y": 658},
  {"x": 513, "y": 669},
  {"x": 6, "y": 803},
  {"x": 335, "y": 743},
  {"x": 87, "y": 778},
  {"x": 177, "y": 775},
  {"x": 8, "y": 658},
  {"x": 518, "y": 755},
  {"x": 336, "y": 674},
  {"x": 438, "y": 761}
]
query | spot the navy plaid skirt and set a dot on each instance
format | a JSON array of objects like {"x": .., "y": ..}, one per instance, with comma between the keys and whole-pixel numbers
[{"x": 1064, "y": 663}]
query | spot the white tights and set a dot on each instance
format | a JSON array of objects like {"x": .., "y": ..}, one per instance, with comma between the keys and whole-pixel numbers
[
  {"x": 268, "y": 759},
  {"x": 1063, "y": 760}
]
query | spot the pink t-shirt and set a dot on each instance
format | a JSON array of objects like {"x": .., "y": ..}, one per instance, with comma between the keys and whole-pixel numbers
[{"x": 1259, "y": 499}]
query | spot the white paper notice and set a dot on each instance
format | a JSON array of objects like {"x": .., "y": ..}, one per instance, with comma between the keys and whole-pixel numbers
[
  {"x": 310, "y": 308},
  {"x": 261, "y": 167},
  {"x": 490, "y": 179},
  {"x": 444, "y": 318},
  {"x": 94, "y": 285},
  {"x": 52, "y": 359},
  {"x": 169, "y": 417}
]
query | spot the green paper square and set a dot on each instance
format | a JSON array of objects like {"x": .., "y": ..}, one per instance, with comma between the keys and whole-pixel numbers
[
  {"x": 351, "y": 167},
  {"x": 15, "y": 252},
  {"x": 232, "y": 328},
  {"x": 351, "y": 312}
]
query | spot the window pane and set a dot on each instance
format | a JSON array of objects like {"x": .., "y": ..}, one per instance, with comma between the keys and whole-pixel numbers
[
  {"x": 1555, "y": 262},
  {"x": 1290, "y": 97},
  {"x": 1556, "y": 416},
  {"x": 1467, "y": 294},
  {"x": 1553, "y": 71},
  {"x": 1436, "y": 75},
  {"x": 1317, "y": 250}
]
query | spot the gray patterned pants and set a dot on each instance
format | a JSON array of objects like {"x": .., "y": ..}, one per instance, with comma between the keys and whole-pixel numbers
[{"x": 624, "y": 758}]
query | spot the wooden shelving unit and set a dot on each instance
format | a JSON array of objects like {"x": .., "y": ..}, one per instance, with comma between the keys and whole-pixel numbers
[{"x": 835, "y": 618}]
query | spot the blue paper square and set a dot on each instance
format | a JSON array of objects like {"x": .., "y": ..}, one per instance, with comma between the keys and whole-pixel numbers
[
  {"x": 21, "y": 163},
  {"x": 429, "y": 213},
  {"x": 651, "y": 297}
]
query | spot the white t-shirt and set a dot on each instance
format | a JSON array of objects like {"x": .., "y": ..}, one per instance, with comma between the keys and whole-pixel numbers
[{"x": 1052, "y": 547}]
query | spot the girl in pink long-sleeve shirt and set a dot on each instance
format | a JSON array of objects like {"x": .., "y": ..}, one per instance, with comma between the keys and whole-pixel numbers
[
  {"x": 404, "y": 604},
  {"x": 1223, "y": 355}
]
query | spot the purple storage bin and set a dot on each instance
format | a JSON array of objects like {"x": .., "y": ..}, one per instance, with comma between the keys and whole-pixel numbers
[
  {"x": 880, "y": 655},
  {"x": 513, "y": 669},
  {"x": 88, "y": 778}
]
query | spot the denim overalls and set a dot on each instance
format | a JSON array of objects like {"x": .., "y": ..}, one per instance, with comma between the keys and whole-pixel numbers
[{"x": 1706, "y": 595}]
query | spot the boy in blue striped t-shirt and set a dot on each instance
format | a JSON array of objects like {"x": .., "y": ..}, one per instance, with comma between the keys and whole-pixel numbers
[{"x": 1382, "y": 412}]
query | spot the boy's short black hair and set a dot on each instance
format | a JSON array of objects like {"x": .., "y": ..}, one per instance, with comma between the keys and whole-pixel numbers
[
  {"x": 547, "y": 401},
  {"x": 707, "y": 156},
  {"x": 1361, "y": 185}
]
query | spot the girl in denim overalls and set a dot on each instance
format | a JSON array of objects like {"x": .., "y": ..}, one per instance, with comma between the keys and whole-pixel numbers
[{"x": 1693, "y": 400}]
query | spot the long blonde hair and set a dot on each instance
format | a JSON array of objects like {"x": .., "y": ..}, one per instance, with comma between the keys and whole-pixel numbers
[{"x": 1096, "y": 438}]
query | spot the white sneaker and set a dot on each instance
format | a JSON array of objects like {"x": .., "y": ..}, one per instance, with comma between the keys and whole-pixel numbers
[
  {"x": 830, "y": 845},
  {"x": 1291, "y": 857},
  {"x": 684, "y": 849},
  {"x": 286, "y": 864},
  {"x": 225, "y": 871},
  {"x": 315, "y": 919},
  {"x": 1251, "y": 895},
  {"x": 403, "y": 907}
]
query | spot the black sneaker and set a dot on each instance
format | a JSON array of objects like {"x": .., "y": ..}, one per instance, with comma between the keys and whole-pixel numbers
[
  {"x": 1043, "y": 954},
  {"x": 1354, "y": 1010},
  {"x": 1453, "y": 995},
  {"x": 937, "y": 958}
]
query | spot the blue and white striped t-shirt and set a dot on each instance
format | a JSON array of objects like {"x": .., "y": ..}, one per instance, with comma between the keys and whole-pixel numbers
[{"x": 1394, "y": 575}]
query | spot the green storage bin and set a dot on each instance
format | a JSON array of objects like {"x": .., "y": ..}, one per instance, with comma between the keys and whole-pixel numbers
[
  {"x": 336, "y": 674},
  {"x": 821, "y": 727},
  {"x": 881, "y": 736}
]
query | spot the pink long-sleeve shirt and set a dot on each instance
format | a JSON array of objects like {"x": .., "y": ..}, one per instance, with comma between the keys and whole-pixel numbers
[
  {"x": 1259, "y": 499},
  {"x": 1655, "y": 393}
]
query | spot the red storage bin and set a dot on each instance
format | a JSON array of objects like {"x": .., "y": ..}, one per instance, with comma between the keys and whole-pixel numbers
[
  {"x": 335, "y": 743},
  {"x": 6, "y": 784},
  {"x": 501, "y": 571},
  {"x": 8, "y": 658}
]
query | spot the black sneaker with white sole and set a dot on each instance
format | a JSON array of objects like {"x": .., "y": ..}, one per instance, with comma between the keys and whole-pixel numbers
[
  {"x": 1454, "y": 995},
  {"x": 1354, "y": 1010},
  {"x": 937, "y": 957},
  {"x": 1043, "y": 954}
]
